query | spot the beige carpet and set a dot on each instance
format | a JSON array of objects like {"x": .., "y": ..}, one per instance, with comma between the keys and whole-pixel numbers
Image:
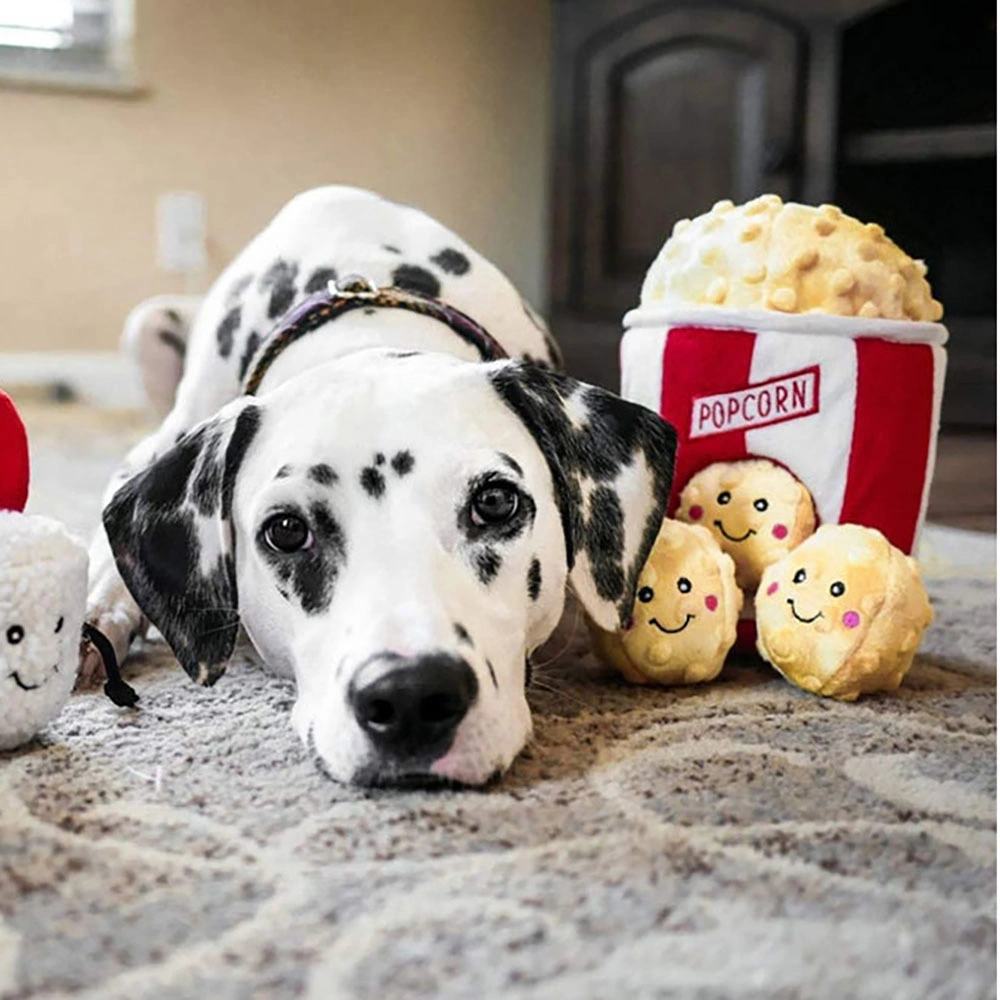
[{"x": 743, "y": 840}]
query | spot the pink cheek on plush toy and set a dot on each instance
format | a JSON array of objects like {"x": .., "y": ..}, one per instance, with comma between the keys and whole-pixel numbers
[
  {"x": 695, "y": 513},
  {"x": 711, "y": 602},
  {"x": 773, "y": 589},
  {"x": 779, "y": 531},
  {"x": 851, "y": 619}
]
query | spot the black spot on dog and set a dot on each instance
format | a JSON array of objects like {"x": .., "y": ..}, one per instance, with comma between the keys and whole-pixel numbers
[
  {"x": 247, "y": 425},
  {"x": 226, "y": 331},
  {"x": 510, "y": 462},
  {"x": 207, "y": 485},
  {"x": 390, "y": 249},
  {"x": 322, "y": 474},
  {"x": 279, "y": 278},
  {"x": 370, "y": 310},
  {"x": 488, "y": 563},
  {"x": 315, "y": 574},
  {"x": 379, "y": 458},
  {"x": 402, "y": 463},
  {"x": 238, "y": 287},
  {"x": 319, "y": 279},
  {"x": 452, "y": 261},
  {"x": 170, "y": 544},
  {"x": 463, "y": 634},
  {"x": 168, "y": 488},
  {"x": 252, "y": 345},
  {"x": 605, "y": 542},
  {"x": 372, "y": 481},
  {"x": 311, "y": 574},
  {"x": 493, "y": 675},
  {"x": 413, "y": 278},
  {"x": 284, "y": 472},
  {"x": 173, "y": 315},
  {"x": 173, "y": 341},
  {"x": 534, "y": 579}
]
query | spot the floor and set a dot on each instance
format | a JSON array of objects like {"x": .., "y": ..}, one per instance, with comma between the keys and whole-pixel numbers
[
  {"x": 739, "y": 840},
  {"x": 964, "y": 491}
]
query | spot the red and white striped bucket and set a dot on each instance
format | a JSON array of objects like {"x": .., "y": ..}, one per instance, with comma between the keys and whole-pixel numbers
[{"x": 850, "y": 406}]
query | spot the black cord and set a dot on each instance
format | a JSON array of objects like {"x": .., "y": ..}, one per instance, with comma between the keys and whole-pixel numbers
[{"x": 121, "y": 693}]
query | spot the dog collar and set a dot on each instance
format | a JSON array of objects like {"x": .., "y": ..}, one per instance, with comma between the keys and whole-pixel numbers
[{"x": 355, "y": 292}]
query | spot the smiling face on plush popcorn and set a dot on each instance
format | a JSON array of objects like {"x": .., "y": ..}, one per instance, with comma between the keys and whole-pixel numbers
[
  {"x": 684, "y": 620},
  {"x": 757, "y": 511},
  {"x": 843, "y": 614},
  {"x": 43, "y": 585}
]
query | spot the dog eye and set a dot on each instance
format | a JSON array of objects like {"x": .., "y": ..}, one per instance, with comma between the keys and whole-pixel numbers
[
  {"x": 723, "y": 498},
  {"x": 684, "y": 585},
  {"x": 800, "y": 576},
  {"x": 494, "y": 503},
  {"x": 837, "y": 589},
  {"x": 59, "y": 625},
  {"x": 15, "y": 634},
  {"x": 286, "y": 533},
  {"x": 646, "y": 595},
  {"x": 760, "y": 504}
]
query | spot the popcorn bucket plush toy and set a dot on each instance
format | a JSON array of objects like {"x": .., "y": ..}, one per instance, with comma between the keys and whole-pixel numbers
[
  {"x": 684, "y": 619},
  {"x": 843, "y": 614},
  {"x": 799, "y": 336},
  {"x": 14, "y": 466},
  {"x": 43, "y": 589}
]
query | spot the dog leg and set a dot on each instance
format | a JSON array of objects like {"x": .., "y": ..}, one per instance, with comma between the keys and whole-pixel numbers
[
  {"x": 156, "y": 337},
  {"x": 111, "y": 609}
]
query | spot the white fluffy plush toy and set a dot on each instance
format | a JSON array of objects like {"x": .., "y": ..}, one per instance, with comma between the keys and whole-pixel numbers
[{"x": 43, "y": 590}]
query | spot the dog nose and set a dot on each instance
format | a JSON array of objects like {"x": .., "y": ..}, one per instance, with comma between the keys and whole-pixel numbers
[{"x": 415, "y": 708}]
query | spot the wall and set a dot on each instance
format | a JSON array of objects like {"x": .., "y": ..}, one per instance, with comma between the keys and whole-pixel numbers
[{"x": 440, "y": 103}]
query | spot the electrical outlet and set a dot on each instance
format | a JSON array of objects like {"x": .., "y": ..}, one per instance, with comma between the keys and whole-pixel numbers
[{"x": 181, "y": 230}]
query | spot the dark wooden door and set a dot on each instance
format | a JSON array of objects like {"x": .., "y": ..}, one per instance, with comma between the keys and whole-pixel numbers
[
  {"x": 661, "y": 110},
  {"x": 917, "y": 152}
]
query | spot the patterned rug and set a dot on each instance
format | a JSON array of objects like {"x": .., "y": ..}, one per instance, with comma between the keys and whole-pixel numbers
[{"x": 740, "y": 840}]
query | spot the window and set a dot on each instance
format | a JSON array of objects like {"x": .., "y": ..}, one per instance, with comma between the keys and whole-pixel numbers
[{"x": 77, "y": 43}]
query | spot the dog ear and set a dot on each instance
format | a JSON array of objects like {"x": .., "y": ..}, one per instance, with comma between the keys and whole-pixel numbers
[
  {"x": 612, "y": 464},
  {"x": 170, "y": 529}
]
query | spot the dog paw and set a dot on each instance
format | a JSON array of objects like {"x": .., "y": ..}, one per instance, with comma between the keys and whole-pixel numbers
[
  {"x": 119, "y": 630},
  {"x": 91, "y": 672}
]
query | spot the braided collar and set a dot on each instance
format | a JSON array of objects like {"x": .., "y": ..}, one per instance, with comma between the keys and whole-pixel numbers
[{"x": 355, "y": 292}]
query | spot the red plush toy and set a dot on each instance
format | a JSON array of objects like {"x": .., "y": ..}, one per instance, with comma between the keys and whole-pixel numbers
[{"x": 13, "y": 457}]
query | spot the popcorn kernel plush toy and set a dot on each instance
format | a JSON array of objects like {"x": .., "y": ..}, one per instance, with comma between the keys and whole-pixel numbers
[
  {"x": 843, "y": 614},
  {"x": 684, "y": 619},
  {"x": 756, "y": 510},
  {"x": 43, "y": 589}
]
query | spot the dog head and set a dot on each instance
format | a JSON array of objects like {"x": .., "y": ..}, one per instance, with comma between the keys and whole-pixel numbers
[{"x": 396, "y": 531}]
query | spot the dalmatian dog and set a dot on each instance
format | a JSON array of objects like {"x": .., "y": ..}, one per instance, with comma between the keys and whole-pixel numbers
[{"x": 389, "y": 520}]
